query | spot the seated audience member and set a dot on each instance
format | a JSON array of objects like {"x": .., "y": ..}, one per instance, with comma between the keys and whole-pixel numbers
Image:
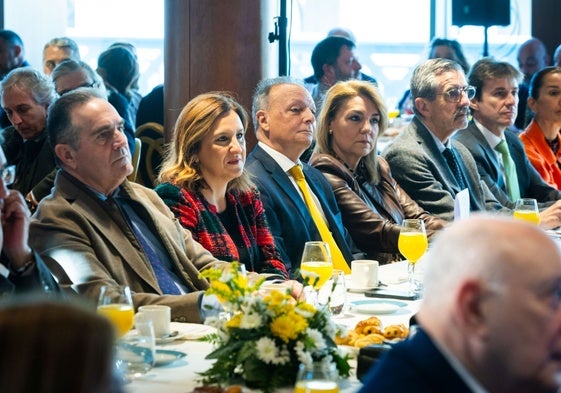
[
  {"x": 205, "y": 184},
  {"x": 71, "y": 74},
  {"x": 345, "y": 33},
  {"x": 118, "y": 67},
  {"x": 490, "y": 316},
  {"x": 333, "y": 60},
  {"x": 430, "y": 166},
  {"x": 55, "y": 347},
  {"x": 13, "y": 56},
  {"x": 26, "y": 95},
  {"x": 22, "y": 269},
  {"x": 541, "y": 137},
  {"x": 371, "y": 202},
  {"x": 57, "y": 50},
  {"x": 498, "y": 152},
  {"x": 440, "y": 48},
  {"x": 97, "y": 228},
  {"x": 151, "y": 107},
  {"x": 532, "y": 56},
  {"x": 284, "y": 122}
]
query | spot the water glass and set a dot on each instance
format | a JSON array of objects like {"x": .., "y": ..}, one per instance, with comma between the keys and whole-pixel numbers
[
  {"x": 334, "y": 293},
  {"x": 318, "y": 377},
  {"x": 136, "y": 351}
]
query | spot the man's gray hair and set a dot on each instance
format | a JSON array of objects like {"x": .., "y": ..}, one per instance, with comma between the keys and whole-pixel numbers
[{"x": 32, "y": 81}]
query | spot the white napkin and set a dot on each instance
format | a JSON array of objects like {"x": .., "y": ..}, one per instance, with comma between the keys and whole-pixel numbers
[{"x": 461, "y": 205}]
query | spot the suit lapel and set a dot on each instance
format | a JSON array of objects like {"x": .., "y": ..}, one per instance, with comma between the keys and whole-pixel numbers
[{"x": 113, "y": 233}]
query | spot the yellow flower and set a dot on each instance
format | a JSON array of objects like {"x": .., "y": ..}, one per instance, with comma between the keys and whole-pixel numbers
[
  {"x": 287, "y": 327},
  {"x": 235, "y": 321}
]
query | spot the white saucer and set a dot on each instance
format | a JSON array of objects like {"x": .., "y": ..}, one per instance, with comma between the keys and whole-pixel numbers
[
  {"x": 352, "y": 288},
  {"x": 376, "y": 307},
  {"x": 164, "y": 357},
  {"x": 175, "y": 335}
]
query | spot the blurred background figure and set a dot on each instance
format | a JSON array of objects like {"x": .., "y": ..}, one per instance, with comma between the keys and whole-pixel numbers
[
  {"x": 118, "y": 67},
  {"x": 55, "y": 347},
  {"x": 26, "y": 95},
  {"x": 372, "y": 204},
  {"x": 12, "y": 55},
  {"x": 557, "y": 57},
  {"x": 439, "y": 48},
  {"x": 532, "y": 57},
  {"x": 541, "y": 137},
  {"x": 151, "y": 107},
  {"x": 57, "y": 50},
  {"x": 72, "y": 74},
  {"x": 209, "y": 191}
]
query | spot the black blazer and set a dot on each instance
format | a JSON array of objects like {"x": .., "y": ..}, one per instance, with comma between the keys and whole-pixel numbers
[
  {"x": 414, "y": 365},
  {"x": 289, "y": 219},
  {"x": 530, "y": 182}
]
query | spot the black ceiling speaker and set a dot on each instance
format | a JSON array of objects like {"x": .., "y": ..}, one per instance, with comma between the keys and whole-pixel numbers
[{"x": 481, "y": 12}]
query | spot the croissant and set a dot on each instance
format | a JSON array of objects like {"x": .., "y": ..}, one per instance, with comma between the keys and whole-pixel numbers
[
  {"x": 395, "y": 331},
  {"x": 369, "y": 340}
]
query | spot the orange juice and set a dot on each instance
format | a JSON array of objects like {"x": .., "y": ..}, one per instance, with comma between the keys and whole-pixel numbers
[
  {"x": 121, "y": 315},
  {"x": 412, "y": 245},
  {"x": 316, "y": 387},
  {"x": 527, "y": 215},
  {"x": 323, "y": 270}
]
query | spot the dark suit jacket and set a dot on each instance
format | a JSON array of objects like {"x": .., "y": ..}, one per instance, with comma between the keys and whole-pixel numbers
[
  {"x": 529, "y": 180},
  {"x": 86, "y": 246},
  {"x": 39, "y": 280},
  {"x": 289, "y": 220},
  {"x": 414, "y": 365},
  {"x": 421, "y": 170}
]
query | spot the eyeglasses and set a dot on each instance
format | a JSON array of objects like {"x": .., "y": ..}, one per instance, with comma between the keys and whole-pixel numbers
[
  {"x": 8, "y": 174},
  {"x": 90, "y": 85},
  {"x": 455, "y": 94}
]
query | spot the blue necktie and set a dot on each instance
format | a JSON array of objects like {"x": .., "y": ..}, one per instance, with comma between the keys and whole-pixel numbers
[
  {"x": 454, "y": 167},
  {"x": 165, "y": 281}
]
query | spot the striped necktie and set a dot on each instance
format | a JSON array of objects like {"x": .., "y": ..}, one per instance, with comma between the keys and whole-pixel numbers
[{"x": 336, "y": 254}]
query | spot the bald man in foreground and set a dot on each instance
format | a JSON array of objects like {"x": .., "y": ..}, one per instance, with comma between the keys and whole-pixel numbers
[{"x": 490, "y": 320}]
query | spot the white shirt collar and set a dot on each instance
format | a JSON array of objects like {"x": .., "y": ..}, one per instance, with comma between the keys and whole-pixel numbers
[
  {"x": 491, "y": 138},
  {"x": 284, "y": 162}
]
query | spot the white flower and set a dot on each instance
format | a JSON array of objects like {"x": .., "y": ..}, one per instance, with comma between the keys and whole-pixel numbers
[
  {"x": 317, "y": 338},
  {"x": 267, "y": 351},
  {"x": 303, "y": 356},
  {"x": 251, "y": 321},
  {"x": 283, "y": 357}
]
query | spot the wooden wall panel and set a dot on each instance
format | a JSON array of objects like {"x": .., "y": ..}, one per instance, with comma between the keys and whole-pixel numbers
[{"x": 211, "y": 45}]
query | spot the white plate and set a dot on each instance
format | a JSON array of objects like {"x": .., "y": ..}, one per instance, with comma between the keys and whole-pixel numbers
[
  {"x": 175, "y": 335},
  {"x": 164, "y": 356},
  {"x": 376, "y": 307}
]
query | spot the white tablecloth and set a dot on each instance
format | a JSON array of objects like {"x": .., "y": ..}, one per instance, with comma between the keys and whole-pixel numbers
[{"x": 181, "y": 376}]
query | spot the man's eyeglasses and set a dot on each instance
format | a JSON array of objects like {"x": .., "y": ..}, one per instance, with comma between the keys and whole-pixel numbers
[
  {"x": 8, "y": 174},
  {"x": 87, "y": 84},
  {"x": 455, "y": 94}
]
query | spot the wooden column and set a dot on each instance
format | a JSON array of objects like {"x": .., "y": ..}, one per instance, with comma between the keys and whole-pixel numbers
[{"x": 212, "y": 45}]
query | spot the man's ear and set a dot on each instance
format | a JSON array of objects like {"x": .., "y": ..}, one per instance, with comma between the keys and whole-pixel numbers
[
  {"x": 66, "y": 155},
  {"x": 474, "y": 104},
  {"x": 469, "y": 307},
  {"x": 262, "y": 120},
  {"x": 422, "y": 107}
]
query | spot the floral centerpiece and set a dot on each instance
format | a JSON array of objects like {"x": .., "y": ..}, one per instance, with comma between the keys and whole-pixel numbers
[{"x": 267, "y": 334}]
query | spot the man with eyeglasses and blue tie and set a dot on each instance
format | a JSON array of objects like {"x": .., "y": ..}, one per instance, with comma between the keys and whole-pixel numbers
[
  {"x": 20, "y": 268},
  {"x": 430, "y": 166}
]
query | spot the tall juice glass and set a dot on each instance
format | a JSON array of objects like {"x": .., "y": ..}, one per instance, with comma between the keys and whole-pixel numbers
[
  {"x": 316, "y": 264},
  {"x": 316, "y": 378},
  {"x": 115, "y": 303},
  {"x": 412, "y": 244}
]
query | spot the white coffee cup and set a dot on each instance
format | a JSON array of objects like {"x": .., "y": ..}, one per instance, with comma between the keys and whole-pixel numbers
[
  {"x": 364, "y": 273},
  {"x": 160, "y": 317}
]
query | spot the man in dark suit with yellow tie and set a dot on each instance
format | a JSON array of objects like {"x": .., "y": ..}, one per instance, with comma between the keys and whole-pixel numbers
[
  {"x": 498, "y": 152},
  {"x": 284, "y": 117}
]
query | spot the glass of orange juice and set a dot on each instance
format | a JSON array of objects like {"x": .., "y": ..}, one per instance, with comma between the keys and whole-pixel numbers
[
  {"x": 527, "y": 209},
  {"x": 115, "y": 303},
  {"x": 412, "y": 244},
  {"x": 316, "y": 264},
  {"x": 317, "y": 377}
]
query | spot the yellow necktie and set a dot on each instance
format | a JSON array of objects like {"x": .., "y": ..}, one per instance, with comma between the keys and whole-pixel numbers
[{"x": 336, "y": 255}]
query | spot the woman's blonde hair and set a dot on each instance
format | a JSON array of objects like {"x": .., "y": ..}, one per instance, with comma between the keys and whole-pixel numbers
[
  {"x": 335, "y": 98},
  {"x": 198, "y": 118}
]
